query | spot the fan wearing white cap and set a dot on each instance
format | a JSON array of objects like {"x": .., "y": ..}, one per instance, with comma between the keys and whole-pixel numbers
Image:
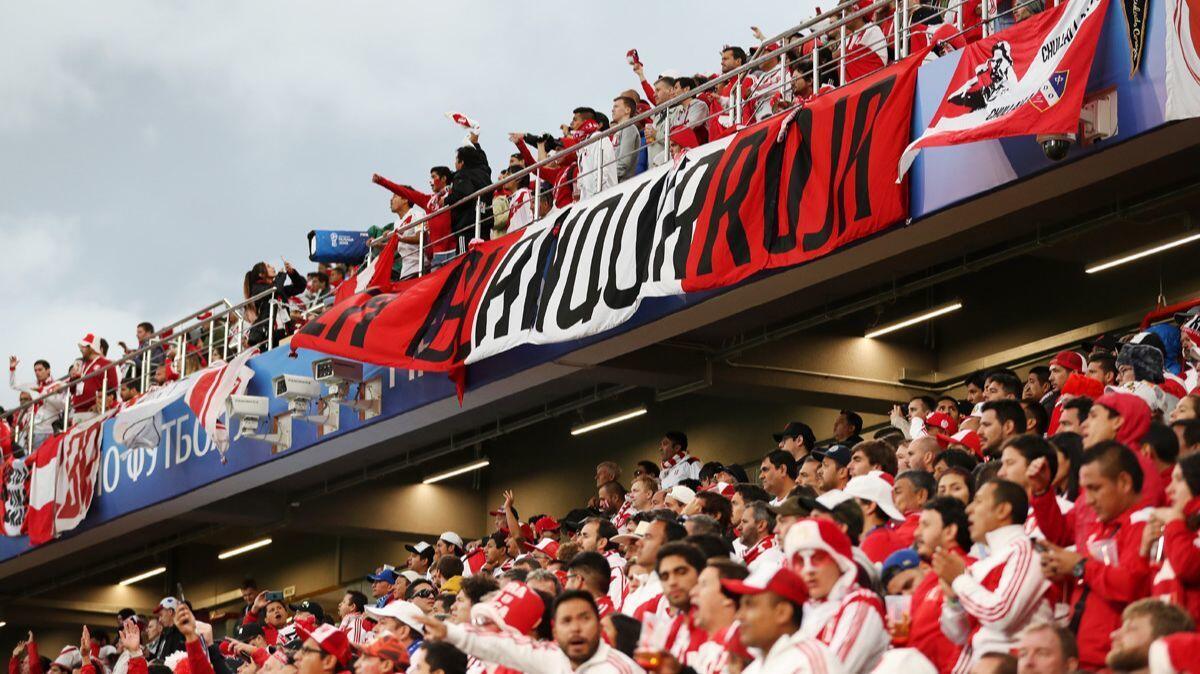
[
  {"x": 402, "y": 619},
  {"x": 989, "y": 602},
  {"x": 679, "y": 498},
  {"x": 839, "y": 613},
  {"x": 880, "y": 515},
  {"x": 421, "y": 558},
  {"x": 449, "y": 543}
]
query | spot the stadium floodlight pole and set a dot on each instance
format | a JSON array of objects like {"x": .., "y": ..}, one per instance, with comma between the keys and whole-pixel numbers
[
  {"x": 913, "y": 320},
  {"x": 1152, "y": 249}
]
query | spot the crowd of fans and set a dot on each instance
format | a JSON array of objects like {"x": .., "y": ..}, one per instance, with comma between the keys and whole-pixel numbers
[
  {"x": 1045, "y": 524},
  {"x": 807, "y": 64}
]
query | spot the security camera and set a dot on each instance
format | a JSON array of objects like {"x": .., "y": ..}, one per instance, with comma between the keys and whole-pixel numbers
[
  {"x": 246, "y": 412},
  {"x": 338, "y": 374},
  {"x": 1055, "y": 146},
  {"x": 337, "y": 370},
  {"x": 296, "y": 387}
]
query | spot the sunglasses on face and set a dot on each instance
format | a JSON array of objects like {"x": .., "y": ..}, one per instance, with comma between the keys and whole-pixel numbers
[{"x": 423, "y": 594}]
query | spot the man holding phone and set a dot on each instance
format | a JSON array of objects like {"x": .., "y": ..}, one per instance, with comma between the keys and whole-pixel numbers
[{"x": 171, "y": 640}]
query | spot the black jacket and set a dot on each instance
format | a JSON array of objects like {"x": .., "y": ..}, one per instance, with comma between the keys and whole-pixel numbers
[{"x": 474, "y": 176}]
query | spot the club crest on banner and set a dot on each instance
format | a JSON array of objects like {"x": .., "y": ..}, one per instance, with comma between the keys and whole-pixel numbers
[{"x": 1051, "y": 91}]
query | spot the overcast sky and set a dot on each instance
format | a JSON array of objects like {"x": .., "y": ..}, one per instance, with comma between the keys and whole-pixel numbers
[{"x": 151, "y": 152}]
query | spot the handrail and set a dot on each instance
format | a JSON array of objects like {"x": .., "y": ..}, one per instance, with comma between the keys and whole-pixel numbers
[
  {"x": 750, "y": 65},
  {"x": 65, "y": 385}
]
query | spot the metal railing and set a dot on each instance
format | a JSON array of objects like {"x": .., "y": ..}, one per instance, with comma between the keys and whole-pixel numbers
[
  {"x": 224, "y": 332},
  {"x": 826, "y": 62},
  {"x": 826, "y": 30}
]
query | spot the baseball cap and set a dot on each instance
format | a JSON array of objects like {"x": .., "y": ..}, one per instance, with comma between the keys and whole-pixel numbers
[
  {"x": 832, "y": 499},
  {"x": 309, "y": 606},
  {"x": 796, "y": 429},
  {"x": 549, "y": 546},
  {"x": 940, "y": 422},
  {"x": 876, "y": 490},
  {"x": 386, "y": 647},
  {"x": 404, "y": 611},
  {"x": 247, "y": 631},
  {"x": 967, "y": 438},
  {"x": 451, "y": 538},
  {"x": 420, "y": 548},
  {"x": 167, "y": 604},
  {"x": 388, "y": 575},
  {"x": 839, "y": 453},
  {"x": 636, "y": 535},
  {"x": 1069, "y": 360},
  {"x": 683, "y": 494},
  {"x": 69, "y": 658},
  {"x": 900, "y": 560},
  {"x": 782, "y": 581},
  {"x": 331, "y": 640},
  {"x": 544, "y": 524},
  {"x": 791, "y": 506},
  {"x": 410, "y": 575}
]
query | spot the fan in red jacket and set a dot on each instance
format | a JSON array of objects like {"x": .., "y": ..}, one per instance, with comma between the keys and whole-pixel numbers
[
  {"x": 1110, "y": 572},
  {"x": 1178, "y": 579},
  {"x": 440, "y": 240},
  {"x": 942, "y": 525},
  {"x": 83, "y": 394}
]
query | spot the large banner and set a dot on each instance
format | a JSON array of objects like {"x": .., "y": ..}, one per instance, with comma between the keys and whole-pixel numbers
[
  {"x": 1183, "y": 59},
  {"x": 777, "y": 194},
  {"x": 1027, "y": 79}
]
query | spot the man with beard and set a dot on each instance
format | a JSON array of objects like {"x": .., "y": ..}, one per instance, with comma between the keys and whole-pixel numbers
[
  {"x": 757, "y": 536},
  {"x": 675, "y": 630},
  {"x": 597, "y": 536},
  {"x": 942, "y": 526},
  {"x": 577, "y": 644},
  {"x": 1141, "y": 623}
]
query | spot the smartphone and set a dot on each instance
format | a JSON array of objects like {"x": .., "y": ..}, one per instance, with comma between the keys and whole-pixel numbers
[
  {"x": 274, "y": 596},
  {"x": 632, "y": 57}
]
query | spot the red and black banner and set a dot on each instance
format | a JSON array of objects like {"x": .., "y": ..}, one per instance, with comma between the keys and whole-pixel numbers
[{"x": 777, "y": 194}]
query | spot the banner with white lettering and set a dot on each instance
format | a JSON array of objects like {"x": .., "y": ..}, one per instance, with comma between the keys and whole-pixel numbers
[
  {"x": 1027, "y": 79},
  {"x": 780, "y": 193}
]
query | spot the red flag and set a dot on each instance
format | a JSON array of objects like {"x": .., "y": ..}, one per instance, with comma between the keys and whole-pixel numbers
[
  {"x": 1028, "y": 79},
  {"x": 43, "y": 487},
  {"x": 375, "y": 274}
]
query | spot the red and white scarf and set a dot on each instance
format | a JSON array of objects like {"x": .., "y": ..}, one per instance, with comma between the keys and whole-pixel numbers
[
  {"x": 757, "y": 549},
  {"x": 680, "y": 457},
  {"x": 624, "y": 513}
]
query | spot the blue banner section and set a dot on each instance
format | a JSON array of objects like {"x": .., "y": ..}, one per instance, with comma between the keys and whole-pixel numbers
[
  {"x": 337, "y": 247},
  {"x": 185, "y": 461}
]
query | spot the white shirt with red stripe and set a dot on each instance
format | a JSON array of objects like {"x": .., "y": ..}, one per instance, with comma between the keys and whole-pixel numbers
[
  {"x": 535, "y": 657},
  {"x": 682, "y": 466},
  {"x": 618, "y": 585},
  {"x": 998, "y": 596},
  {"x": 850, "y": 622},
  {"x": 798, "y": 654},
  {"x": 712, "y": 656},
  {"x": 352, "y": 625},
  {"x": 520, "y": 209}
]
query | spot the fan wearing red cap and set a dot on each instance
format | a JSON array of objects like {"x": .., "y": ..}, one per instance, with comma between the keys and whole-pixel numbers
[
  {"x": 989, "y": 602},
  {"x": 83, "y": 394},
  {"x": 839, "y": 613},
  {"x": 577, "y": 644},
  {"x": 771, "y": 609},
  {"x": 326, "y": 650}
]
